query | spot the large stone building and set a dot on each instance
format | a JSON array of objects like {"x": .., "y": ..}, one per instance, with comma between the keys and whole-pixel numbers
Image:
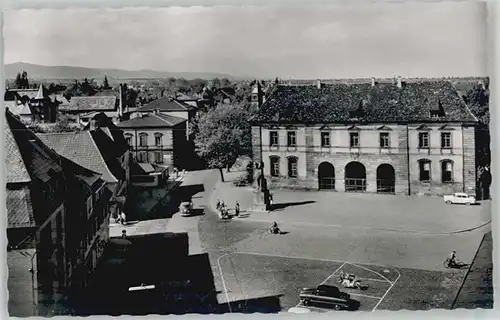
[{"x": 396, "y": 137}]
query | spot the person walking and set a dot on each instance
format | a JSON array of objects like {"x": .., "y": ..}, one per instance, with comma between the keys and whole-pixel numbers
[
  {"x": 237, "y": 209},
  {"x": 123, "y": 218},
  {"x": 218, "y": 204},
  {"x": 271, "y": 199}
]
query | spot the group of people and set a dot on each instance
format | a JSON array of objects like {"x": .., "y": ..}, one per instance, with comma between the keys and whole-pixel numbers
[
  {"x": 121, "y": 218},
  {"x": 224, "y": 211}
]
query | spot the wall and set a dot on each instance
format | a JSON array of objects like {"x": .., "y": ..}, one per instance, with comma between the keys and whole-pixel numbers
[
  {"x": 402, "y": 154},
  {"x": 21, "y": 283},
  {"x": 166, "y": 148}
]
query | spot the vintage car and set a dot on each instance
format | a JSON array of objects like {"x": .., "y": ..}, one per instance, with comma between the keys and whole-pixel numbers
[
  {"x": 186, "y": 208},
  {"x": 330, "y": 296},
  {"x": 459, "y": 198}
]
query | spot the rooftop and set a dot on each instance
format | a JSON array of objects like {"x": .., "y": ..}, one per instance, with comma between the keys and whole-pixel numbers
[
  {"x": 165, "y": 104},
  {"x": 94, "y": 103},
  {"x": 364, "y": 102},
  {"x": 152, "y": 121},
  {"x": 80, "y": 148}
]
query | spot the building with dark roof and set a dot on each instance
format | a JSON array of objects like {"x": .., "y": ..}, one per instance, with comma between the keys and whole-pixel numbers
[
  {"x": 33, "y": 105},
  {"x": 56, "y": 223},
  {"x": 394, "y": 137},
  {"x": 156, "y": 138},
  {"x": 82, "y": 109}
]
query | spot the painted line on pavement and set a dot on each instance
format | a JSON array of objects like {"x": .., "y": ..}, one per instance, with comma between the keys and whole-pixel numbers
[
  {"x": 224, "y": 282},
  {"x": 334, "y": 272},
  {"x": 370, "y": 270},
  {"x": 385, "y": 294}
]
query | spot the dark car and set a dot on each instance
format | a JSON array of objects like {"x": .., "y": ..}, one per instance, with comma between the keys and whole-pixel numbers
[{"x": 329, "y": 296}]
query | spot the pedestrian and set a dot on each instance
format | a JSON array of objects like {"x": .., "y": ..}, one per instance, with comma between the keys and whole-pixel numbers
[
  {"x": 218, "y": 204},
  {"x": 123, "y": 218},
  {"x": 271, "y": 199},
  {"x": 124, "y": 234},
  {"x": 237, "y": 209}
]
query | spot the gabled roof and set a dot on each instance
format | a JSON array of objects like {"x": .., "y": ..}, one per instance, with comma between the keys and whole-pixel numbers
[
  {"x": 110, "y": 151},
  {"x": 165, "y": 104},
  {"x": 27, "y": 159},
  {"x": 94, "y": 103},
  {"x": 104, "y": 122},
  {"x": 30, "y": 93},
  {"x": 80, "y": 148},
  {"x": 335, "y": 103},
  {"x": 151, "y": 120}
]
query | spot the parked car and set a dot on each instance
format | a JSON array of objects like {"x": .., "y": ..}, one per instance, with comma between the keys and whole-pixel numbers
[
  {"x": 186, "y": 208},
  {"x": 329, "y": 296},
  {"x": 460, "y": 198}
]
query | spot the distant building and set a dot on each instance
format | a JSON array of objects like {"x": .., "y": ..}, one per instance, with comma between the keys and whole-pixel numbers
[
  {"x": 82, "y": 109},
  {"x": 33, "y": 105},
  {"x": 403, "y": 138},
  {"x": 156, "y": 138},
  {"x": 56, "y": 224}
]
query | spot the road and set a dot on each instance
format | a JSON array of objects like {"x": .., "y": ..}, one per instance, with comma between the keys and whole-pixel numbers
[{"x": 266, "y": 272}]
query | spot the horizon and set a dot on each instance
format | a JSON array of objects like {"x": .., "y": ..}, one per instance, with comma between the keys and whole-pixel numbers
[{"x": 337, "y": 41}]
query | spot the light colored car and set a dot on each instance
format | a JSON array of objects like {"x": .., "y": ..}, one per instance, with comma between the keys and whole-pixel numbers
[
  {"x": 186, "y": 208},
  {"x": 459, "y": 198}
]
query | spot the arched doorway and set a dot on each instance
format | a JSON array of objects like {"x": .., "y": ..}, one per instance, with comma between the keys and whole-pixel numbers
[
  {"x": 326, "y": 176},
  {"x": 355, "y": 177},
  {"x": 386, "y": 178}
]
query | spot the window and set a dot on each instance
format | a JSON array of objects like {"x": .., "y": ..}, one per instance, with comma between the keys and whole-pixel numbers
[
  {"x": 273, "y": 138},
  {"x": 158, "y": 157},
  {"x": 143, "y": 139},
  {"x": 158, "y": 141},
  {"x": 445, "y": 140},
  {"x": 292, "y": 138},
  {"x": 129, "y": 140},
  {"x": 292, "y": 167},
  {"x": 446, "y": 171},
  {"x": 142, "y": 157},
  {"x": 275, "y": 166},
  {"x": 384, "y": 140},
  {"x": 354, "y": 139},
  {"x": 425, "y": 170},
  {"x": 423, "y": 140},
  {"x": 325, "y": 139}
]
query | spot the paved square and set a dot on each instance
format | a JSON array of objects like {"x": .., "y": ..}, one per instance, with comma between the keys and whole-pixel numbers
[{"x": 252, "y": 276}]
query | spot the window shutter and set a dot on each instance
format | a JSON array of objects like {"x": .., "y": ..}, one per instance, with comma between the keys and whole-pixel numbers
[{"x": 427, "y": 166}]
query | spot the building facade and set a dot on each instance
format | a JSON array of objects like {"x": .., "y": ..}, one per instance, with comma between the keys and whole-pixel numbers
[
  {"x": 156, "y": 138},
  {"x": 52, "y": 204},
  {"x": 400, "y": 138}
]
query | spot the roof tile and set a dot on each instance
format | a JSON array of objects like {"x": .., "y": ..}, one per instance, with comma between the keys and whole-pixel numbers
[
  {"x": 96, "y": 103},
  {"x": 159, "y": 120}
]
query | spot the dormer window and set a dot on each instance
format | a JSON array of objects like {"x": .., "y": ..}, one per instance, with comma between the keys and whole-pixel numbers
[{"x": 437, "y": 112}]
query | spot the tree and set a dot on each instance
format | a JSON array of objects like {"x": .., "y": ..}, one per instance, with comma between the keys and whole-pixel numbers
[
  {"x": 24, "y": 80},
  {"x": 105, "y": 84},
  {"x": 222, "y": 135},
  {"x": 18, "y": 82}
]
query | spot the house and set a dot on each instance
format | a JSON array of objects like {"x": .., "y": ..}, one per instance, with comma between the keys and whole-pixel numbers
[
  {"x": 396, "y": 137},
  {"x": 55, "y": 223},
  {"x": 156, "y": 138},
  {"x": 32, "y": 105},
  {"x": 82, "y": 109},
  {"x": 148, "y": 175},
  {"x": 81, "y": 148}
]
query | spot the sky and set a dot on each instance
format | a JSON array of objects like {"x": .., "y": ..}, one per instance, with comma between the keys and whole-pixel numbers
[{"x": 297, "y": 41}]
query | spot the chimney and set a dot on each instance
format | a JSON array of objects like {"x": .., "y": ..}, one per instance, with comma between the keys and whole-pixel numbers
[
  {"x": 373, "y": 82},
  {"x": 318, "y": 84},
  {"x": 120, "y": 105},
  {"x": 92, "y": 125},
  {"x": 399, "y": 83}
]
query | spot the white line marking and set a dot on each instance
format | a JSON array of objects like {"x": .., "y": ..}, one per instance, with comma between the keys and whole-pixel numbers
[
  {"x": 334, "y": 272},
  {"x": 385, "y": 294},
  {"x": 364, "y": 295},
  {"x": 355, "y": 265},
  {"x": 223, "y": 282},
  {"x": 374, "y": 280}
]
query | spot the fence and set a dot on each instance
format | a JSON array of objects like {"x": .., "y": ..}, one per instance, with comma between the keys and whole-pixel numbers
[
  {"x": 327, "y": 183},
  {"x": 355, "y": 185}
]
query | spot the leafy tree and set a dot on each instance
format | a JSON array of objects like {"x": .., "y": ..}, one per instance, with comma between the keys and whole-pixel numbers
[
  {"x": 105, "y": 84},
  {"x": 88, "y": 87},
  {"x": 18, "y": 82},
  {"x": 222, "y": 135},
  {"x": 24, "y": 80}
]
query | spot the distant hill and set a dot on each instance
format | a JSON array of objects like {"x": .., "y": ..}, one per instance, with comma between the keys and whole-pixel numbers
[{"x": 39, "y": 72}]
